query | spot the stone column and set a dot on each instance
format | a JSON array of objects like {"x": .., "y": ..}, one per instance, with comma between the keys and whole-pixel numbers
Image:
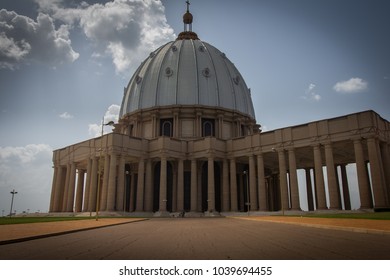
[
  {"x": 309, "y": 190},
  {"x": 283, "y": 179},
  {"x": 319, "y": 178},
  {"x": 261, "y": 183},
  {"x": 180, "y": 185},
  {"x": 65, "y": 189},
  {"x": 198, "y": 124},
  {"x": 175, "y": 125},
  {"x": 253, "y": 206},
  {"x": 344, "y": 181},
  {"x": 210, "y": 185},
  {"x": 385, "y": 153},
  {"x": 154, "y": 125},
  {"x": 233, "y": 186},
  {"x": 377, "y": 174},
  {"x": 334, "y": 192},
  {"x": 194, "y": 186},
  {"x": 225, "y": 186},
  {"x": 295, "y": 205},
  {"x": 140, "y": 186},
  {"x": 242, "y": 189},
  {"x": 111, "y": 184},
  {"x": 120, "y": 196},
  {"x": 59, "y": 190},
  {"x": 163, "y": 185},
  {"x": 80, "y": 190},
  {"x": 87, "y": 186},
  {"x": 93, "y": 185},
  {"x": 199, "y": 188},
  {"x": 149, "y": 187},
  {"x": 133, "y": 184},
  {"x": 53, "y": 189},
  {"x": 173, "y": 195},
  {"x": 71, "y": 188},
  {"x": 363, "y": 181},
  {"x": 104, "y": 177}
]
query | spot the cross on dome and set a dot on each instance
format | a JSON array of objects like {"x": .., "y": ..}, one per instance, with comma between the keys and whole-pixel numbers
[{"x": 187, "y": 20}]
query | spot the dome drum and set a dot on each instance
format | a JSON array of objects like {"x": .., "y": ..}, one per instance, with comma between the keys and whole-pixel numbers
[{"x": 187, "y": 122}]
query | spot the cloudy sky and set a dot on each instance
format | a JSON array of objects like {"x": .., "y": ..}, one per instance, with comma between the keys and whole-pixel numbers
[{"x": 64, "y": 64}]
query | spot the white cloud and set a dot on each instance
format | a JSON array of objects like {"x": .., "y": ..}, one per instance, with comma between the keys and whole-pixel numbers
[
  {"x": 66, "y": 116},
  {"x": 125, "y": 30},
  {"x": 353, "y": 85},
  {"x": 112, "y": 114},
  {"x": 22, "y": 38},
  {"x": 310, "y": 93},
  {"x": 24, "y": 154},
  {"x": 27, "y": 169},
  {"x": 11, "y": 51}
]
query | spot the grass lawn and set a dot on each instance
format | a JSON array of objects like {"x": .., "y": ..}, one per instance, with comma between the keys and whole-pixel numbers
[
  {"x": 370, "y": 216},
  {"x": 25, "y": 220}
]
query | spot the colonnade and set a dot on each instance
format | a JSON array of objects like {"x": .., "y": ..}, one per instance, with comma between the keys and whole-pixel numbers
[{"x": 233, "y": 183}]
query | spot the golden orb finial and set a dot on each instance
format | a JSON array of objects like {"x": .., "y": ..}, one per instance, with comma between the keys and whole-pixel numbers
[
  {"x": 187, "y": 17},
  {"x": 187, "y": 20}
]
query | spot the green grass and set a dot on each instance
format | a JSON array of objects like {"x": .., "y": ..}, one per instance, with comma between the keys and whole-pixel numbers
[
  {"x": 370, "y": 216},
  {"x": 25, "y": 220}
]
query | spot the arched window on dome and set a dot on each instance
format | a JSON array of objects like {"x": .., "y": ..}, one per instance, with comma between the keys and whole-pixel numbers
[
  {"x": 131, "y": 130},
  {"x": 166, "y": 126},
  {"x": 208, "y": 127},
  {"x": 243, "y": 130}
]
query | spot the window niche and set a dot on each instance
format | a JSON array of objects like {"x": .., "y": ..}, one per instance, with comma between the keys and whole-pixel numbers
[
  {"x": 208, "y": 127},
  {"x": 166, "y": 127}
]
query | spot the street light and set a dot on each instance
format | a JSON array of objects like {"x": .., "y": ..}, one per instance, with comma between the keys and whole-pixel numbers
[
  {"x": 125, "y": 197},
  {"x": 247, "y": 191},
  {"x": 12, "y": 202},
  {"x": 100, "y": 158}
]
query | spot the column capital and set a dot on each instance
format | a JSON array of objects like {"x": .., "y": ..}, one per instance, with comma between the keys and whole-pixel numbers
[
  {"x": 113, "y": 153},
  {"x": 316, "y": 145},
  {"x": 372, "y": 138},
  {"x": 291, "y": 149},
  {"x": 259, "y": 154},
  {"x": 356, "y": 138},
  {"x": 211, "y": 154},
  {"x": 328, "y": 145}
]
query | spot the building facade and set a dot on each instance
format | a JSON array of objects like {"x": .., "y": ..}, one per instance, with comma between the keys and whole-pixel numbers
[{"x": 187, "y": 141}]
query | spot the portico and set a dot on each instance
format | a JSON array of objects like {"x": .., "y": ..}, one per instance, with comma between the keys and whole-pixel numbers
[{"x": 168, "y": 174}]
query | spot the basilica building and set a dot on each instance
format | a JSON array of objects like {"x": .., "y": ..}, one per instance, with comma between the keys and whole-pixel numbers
[{"x": 187, "y": 141}]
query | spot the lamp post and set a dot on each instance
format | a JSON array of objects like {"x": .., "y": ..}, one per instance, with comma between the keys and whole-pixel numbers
[
  {"x": 99, "y": 171},
  {"x": 125, "y": 197},
  {"x": 12, "y": 202},
  {"x": 247, "y": 191}
]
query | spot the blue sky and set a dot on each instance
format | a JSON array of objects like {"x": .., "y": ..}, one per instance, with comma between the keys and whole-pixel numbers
[{"x": 64, "y": 64}]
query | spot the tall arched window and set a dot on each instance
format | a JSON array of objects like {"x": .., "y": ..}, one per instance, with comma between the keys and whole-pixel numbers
[
  {"x": 207, "y": 127},
  {"x": 166, "y": 127}
]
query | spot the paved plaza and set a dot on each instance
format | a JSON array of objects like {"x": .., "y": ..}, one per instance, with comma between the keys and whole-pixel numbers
[{"x": 206, "y": 238}]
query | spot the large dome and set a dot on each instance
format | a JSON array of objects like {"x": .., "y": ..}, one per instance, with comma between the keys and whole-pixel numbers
[{"x": 187, "y": 72}]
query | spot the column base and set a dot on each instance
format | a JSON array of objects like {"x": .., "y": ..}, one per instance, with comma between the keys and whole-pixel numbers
[
  {"x": 194, "y": 214},
  {"x": 162, "y": 214},
  {"x": 212, "y": 214}
]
